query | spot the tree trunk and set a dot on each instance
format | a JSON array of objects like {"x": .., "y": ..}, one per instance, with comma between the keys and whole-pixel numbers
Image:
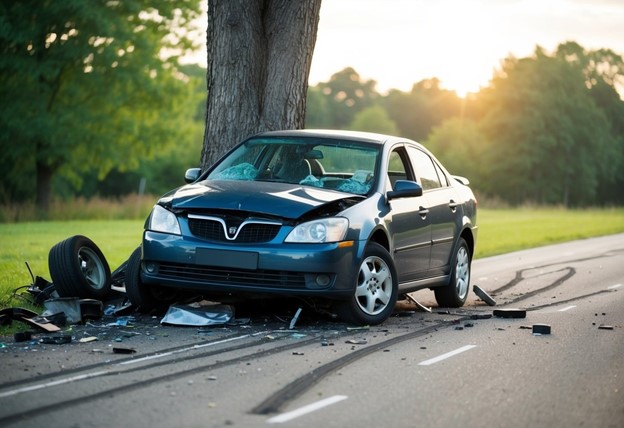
[{"x": 259, "y": 56}]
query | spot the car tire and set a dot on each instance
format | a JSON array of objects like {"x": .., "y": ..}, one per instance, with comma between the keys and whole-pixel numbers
[
  {"x": 455, "y": 293},
  {"x": 79, "y": 269},
  {"x": 146, "y": 298},
  {"x": 376, "y": 289}
]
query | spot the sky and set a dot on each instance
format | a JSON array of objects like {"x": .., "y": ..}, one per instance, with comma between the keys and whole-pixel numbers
[{"x": 461, "y": 42}]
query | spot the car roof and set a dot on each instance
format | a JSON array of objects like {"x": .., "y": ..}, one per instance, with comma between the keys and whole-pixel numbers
[{"x": 368, "y": 137}]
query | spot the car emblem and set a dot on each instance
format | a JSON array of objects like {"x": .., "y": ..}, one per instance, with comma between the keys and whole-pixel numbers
[{"x": 232, "y": 230}]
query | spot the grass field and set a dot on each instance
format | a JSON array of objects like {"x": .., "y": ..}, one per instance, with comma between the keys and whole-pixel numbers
[{"x": 500, "y": 231}]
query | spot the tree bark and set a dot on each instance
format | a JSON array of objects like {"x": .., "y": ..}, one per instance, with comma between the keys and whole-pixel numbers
[{"x": 259, "y": 56}]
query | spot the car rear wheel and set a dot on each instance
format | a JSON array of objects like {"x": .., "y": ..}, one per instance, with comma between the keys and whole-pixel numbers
[
  {"x": 376, "y": 289},
  {"x": 146, "y": 297},
  {"x": 79, "y": 269},
  {"x": 454, "y": 294}
]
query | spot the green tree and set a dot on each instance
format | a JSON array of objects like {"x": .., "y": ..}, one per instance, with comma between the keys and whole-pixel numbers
[
  {"x": 548, "y": 140},
  {"x": 92, "y": 85},
  {"x": 424, "y": 107},
  {"x": 460, "y": 145},
  {"x": 373, "y": 119},
  {"x": 345, "y": 94}
]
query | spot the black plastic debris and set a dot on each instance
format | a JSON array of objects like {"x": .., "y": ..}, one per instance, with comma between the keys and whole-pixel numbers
[
  {"x": 509, "y": 313},
  {"x": 124, "y": 351},
  {"x": 29, "y": 317},
  {"x": 483, "y": 295},
  {"x": 56, "y": 340},
  {"x": 605, "y": 327},
  {"x": 541, "y": 329},
  {"x": 481, "y": 317},
  {"x": 198, "y": 314},
  {"x": 22, "y": 336}
]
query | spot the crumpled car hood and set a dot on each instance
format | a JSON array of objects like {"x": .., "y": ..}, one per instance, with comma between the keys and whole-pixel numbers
[{"x": 275, "y": 199}]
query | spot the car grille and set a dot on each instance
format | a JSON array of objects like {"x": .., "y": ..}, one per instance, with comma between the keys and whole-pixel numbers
[
  {"x": 250, "y": 232},
  {"x": 224, "y": 276}
]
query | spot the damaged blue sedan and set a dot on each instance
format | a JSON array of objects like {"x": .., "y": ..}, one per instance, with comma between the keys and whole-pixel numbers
[{"x": 350, "y": 219}]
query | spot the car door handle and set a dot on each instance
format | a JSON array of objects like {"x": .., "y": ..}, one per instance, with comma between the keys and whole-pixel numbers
[
  {"x": 453, "y": 205},
  {"x": 423, "y": 212}
]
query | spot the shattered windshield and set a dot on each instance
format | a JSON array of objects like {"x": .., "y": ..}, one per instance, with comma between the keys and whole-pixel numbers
[{"x": 340, "y": 165}]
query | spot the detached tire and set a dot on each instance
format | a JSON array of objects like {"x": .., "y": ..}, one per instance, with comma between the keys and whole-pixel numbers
[
  {"x": 147, "y": 298},
  {"x": 79, "y": 269},
  {"x": 454, "y": 294},
  {"x": 376, "y": 289}
]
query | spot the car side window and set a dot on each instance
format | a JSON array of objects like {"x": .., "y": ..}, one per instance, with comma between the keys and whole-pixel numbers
[
  {"x": 398, "y": 167},
  {"x": 425, "y": 169}
]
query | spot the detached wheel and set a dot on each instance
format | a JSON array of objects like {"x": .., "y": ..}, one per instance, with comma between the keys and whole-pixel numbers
[
  {"x": 376, "y": 289},
  {"x": 146, "y": 297},
  {"x": 454, "y": 294},
  {"x": 78, "y": 269}
]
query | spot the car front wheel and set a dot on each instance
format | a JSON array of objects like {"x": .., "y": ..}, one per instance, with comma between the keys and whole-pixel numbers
[
  {"x": 454, "y": 294},
  {"x": 376, "y": 289},
  {"x": 146, "y": 297}
]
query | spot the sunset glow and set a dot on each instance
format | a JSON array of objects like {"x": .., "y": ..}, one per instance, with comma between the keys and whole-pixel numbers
[{"x": 461, "y": 42}]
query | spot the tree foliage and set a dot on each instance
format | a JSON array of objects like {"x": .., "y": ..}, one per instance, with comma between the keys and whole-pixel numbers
[{"x": 93, "y": 86}]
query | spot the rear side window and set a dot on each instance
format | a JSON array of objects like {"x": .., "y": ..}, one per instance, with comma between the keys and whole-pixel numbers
[{"x": 425, "y": 169}]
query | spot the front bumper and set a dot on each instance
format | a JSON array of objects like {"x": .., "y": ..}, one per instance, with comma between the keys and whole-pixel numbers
[{"x": 321, "y": 270}]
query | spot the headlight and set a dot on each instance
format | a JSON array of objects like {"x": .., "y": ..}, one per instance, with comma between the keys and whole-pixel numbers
[
  {"x": 325, "y": 230},
  {"x": 162, "y": 220}
]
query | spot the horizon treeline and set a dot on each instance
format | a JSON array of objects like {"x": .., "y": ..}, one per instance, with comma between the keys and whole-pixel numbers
[{"x": 548, "y": 129}]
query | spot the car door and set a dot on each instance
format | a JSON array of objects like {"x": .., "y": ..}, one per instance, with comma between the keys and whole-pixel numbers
[
  {"x": 409, "y": 223},
  {"x": 444, "y": 209}
]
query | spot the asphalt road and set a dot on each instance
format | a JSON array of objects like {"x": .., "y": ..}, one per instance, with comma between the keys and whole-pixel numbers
[{"x": 443, "y": 368}]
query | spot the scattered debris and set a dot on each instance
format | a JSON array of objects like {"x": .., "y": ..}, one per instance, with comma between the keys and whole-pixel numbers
[
  {"x": 88, "y": 339},
  {"x": 481, "y": 317},
  {"x": 56, "y": 340},
  {"x": 483, "y": 295},
  {"x": 28, "y": 317},
  {"x": 295, "y": 318},
  {"x": 298, "y": 353},
  {"x": 417, "y": 303},
  {"x": 541, "y": 329},
  {"x": 124, "y": 351},
  {"x": 23, "y": 336},
  {"x": 198, "y": 314},
  {"x": 605, "y": 327},
  {"x": 509, "y": 313},
  {"x": 357, "y": 341}
]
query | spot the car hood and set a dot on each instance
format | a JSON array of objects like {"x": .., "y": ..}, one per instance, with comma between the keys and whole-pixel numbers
[{"x": 275, "y": 199}]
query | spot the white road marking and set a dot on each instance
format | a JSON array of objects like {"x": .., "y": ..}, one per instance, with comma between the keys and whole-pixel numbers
[
  {"x": 613, "y": 287},
  {"x": 567, "y": 308},
  {"x": 285, "y": 417},
  {"x": 53, "y": 383},
  {"x": 447, "y": 355}
]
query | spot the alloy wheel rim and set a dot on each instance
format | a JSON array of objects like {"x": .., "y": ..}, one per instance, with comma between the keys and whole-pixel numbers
[
  {"x": 374, "y": 288},
  {"x": 462, "y": 273},
  {"x": 91, "y": 268}
]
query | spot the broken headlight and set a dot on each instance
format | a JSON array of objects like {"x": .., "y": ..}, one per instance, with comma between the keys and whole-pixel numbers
[
  {"x": 163, "y": 220},
  {"x": 325, "y": 230}
]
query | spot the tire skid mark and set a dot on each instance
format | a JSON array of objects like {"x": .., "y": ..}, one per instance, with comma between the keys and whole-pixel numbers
[
  {"x": 275, "y": 402},
  {"x": 61, "y": 405}
]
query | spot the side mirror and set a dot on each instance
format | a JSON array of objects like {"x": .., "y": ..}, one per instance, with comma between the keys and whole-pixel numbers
[
  {"x": 192, "y": 174},
  {"x": 405, "y": 189}
]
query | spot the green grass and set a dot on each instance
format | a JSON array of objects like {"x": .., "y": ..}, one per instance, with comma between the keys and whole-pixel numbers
[
  {"x": 31, "y": 242},
  {"x": 500, "y": 231},
  {"x": 506, "y": 230}
]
